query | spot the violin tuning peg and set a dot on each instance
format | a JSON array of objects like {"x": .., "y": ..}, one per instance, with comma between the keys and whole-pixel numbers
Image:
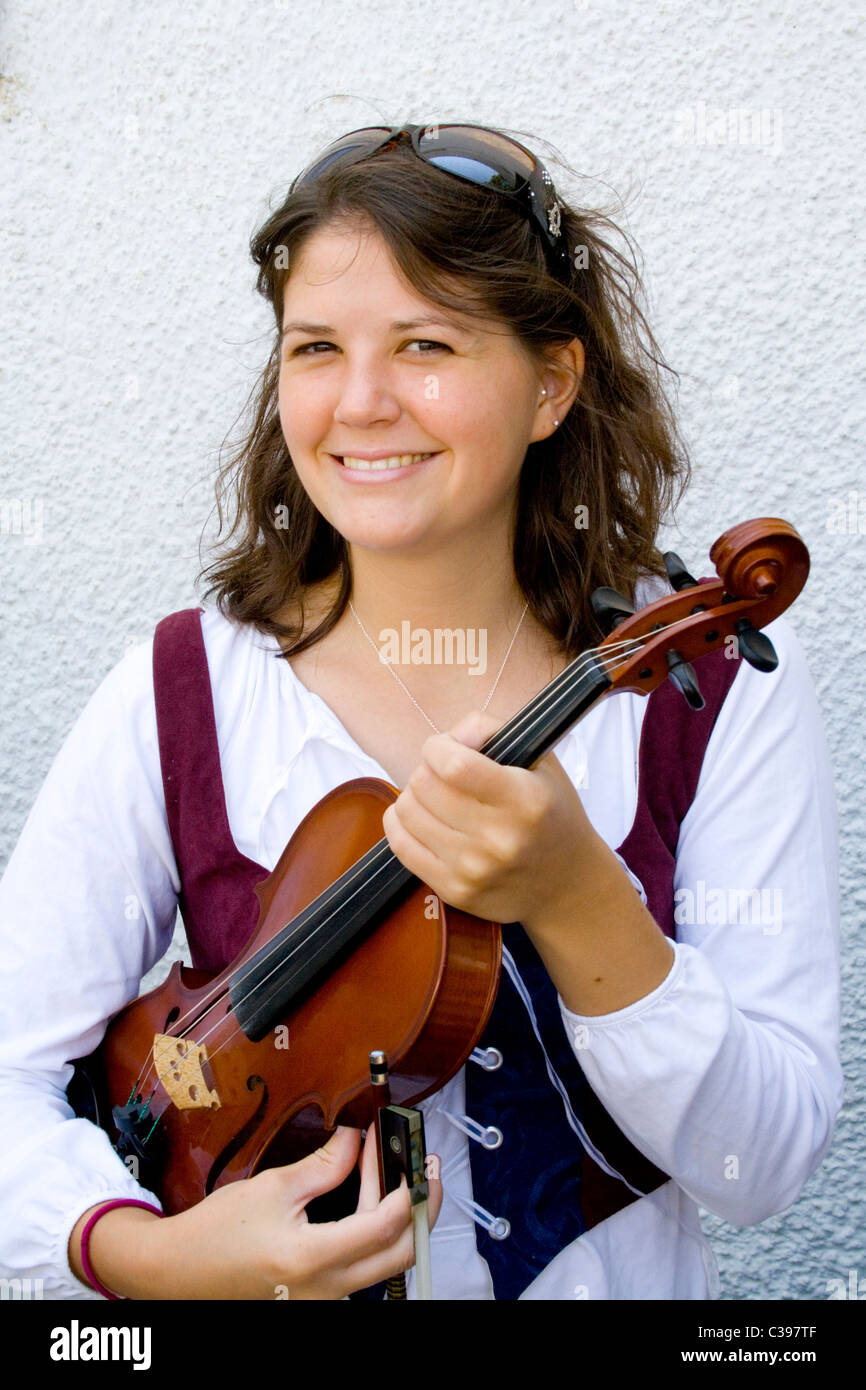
[
  {"x": 610, "y": 607},
  {"x": 683, "y": 676},
  {"x": 677, "y": 572},
  {"x": 755, "y": 647}
]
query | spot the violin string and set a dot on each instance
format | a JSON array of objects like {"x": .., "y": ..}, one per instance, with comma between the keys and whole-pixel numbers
[
  {"x": 553, "y": 691},
  {"x": 385, "y": 855},
  {"x": 577, "y": 667},
  {"x": 380, "y": 856}
]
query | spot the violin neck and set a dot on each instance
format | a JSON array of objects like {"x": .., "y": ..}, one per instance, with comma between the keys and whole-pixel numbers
[{"x": 535, "y": 729}]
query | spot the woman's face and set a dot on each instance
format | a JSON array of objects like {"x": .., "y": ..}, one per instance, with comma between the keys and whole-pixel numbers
[{"x": 369, "y": 375}]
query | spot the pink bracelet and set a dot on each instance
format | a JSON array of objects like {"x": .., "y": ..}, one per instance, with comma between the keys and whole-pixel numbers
[{"x": 85, "y": 1241}]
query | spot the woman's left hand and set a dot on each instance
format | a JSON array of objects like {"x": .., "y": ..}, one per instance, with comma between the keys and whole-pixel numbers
[
  {"x": 502, "y": 843},
  {"x": 509, "y": 844}
]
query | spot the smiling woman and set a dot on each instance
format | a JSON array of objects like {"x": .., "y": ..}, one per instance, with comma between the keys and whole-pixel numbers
[{"x": 634, "y": 1061}]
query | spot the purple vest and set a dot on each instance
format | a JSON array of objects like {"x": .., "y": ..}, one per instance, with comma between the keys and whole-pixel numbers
[{"x": 220, "y": 910}]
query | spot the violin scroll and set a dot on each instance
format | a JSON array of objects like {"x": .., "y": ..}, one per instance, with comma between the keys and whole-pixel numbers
[{"x": 761, "y": 559}]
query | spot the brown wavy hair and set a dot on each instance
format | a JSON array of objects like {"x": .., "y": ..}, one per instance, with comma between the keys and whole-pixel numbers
[{"x": 469, "y": 249}]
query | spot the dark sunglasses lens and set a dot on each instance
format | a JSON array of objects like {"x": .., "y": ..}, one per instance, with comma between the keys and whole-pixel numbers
[
  {"x": 474, "y": 171},
  {"x": 481, "y": 156},
  {"x": 347, "y": 144}
]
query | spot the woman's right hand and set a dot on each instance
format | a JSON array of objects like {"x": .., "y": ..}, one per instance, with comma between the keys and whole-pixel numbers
[{"x": 252, "y": 1239}]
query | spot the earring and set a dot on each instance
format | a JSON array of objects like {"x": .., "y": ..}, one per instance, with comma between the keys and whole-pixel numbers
[{"x": 555, "y": 423}]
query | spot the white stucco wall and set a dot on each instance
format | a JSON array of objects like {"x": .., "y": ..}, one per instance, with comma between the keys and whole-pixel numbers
[{"x": 139, "y": 147}]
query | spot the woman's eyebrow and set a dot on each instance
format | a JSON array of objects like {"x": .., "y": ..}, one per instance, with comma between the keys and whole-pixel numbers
[{"x": 397, "y": 326}]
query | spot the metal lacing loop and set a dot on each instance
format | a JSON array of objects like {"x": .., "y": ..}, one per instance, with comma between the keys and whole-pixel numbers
[
  {"x": 490, "y": 1058},
  {"x": 497, "y": 1227},
  {"x": 488, "y": 1136}
]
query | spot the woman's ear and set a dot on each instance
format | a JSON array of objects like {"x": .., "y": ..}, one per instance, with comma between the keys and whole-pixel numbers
[{"x": 560, "y": 384}]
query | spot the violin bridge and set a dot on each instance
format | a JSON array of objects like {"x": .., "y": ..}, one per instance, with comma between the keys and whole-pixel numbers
[{"x": 179, "y": 1063}]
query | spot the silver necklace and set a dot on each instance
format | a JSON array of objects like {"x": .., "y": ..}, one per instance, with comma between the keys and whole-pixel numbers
[{"x": 433, "y": 726}]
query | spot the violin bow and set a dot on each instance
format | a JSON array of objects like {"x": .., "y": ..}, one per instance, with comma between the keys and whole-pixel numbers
[{"x": 402, "y": 1154}]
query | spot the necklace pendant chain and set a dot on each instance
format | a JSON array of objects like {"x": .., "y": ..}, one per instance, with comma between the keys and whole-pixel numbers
[{"x": 407, "y": 691}]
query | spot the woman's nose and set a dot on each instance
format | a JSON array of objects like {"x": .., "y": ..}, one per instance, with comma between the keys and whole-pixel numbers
[{"x": 366, "y": 396}]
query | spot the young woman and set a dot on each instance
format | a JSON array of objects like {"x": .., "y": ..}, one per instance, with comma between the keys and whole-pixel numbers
[{"x": 461, "y": 427}]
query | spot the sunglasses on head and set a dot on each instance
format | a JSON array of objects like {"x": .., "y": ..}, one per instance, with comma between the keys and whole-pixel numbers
[{"x": 469, "y": 152}]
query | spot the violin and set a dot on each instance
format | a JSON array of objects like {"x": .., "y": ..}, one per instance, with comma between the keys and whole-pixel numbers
[{"x": 210, "y": 1078}]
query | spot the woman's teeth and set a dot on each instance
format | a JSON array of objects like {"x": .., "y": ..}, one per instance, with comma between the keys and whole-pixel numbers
[{"x": 396, "y": 461}]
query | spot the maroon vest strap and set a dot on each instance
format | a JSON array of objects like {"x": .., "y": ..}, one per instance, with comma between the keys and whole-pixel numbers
[
  {"x": 672, "y": 745},
  {"x": 217, "y": 902}
]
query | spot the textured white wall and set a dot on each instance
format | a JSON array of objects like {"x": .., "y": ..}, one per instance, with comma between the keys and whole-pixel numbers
[{"x": 140, "y": 146}]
